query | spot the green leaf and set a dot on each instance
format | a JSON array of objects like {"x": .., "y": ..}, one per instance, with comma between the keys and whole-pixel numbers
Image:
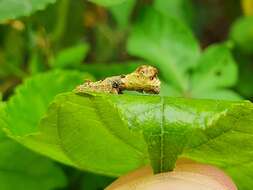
[
  {"x": 101, "y": 120},
  {"x": 167, "y": 44},
  {"x": 115, "y": 134},
  {"x": 11, "y": 9},
  {"x": 179, "y": 9},
  {"x": 170, "y": 46},
  {"x": 218, "y": 94},
  {"x": 37, "y": 92},
  {"x": 96, "y": 132},
  {"x": 171, "y": 127},
  {"x": 244, "y": 85},
  {"x": 100, "y": 70},
  {"x": 216, "y": 70},
  {"x": 241, "y": 33},
  {"x": 71, "y": 57},
  {"x": 24, "y": 170},
  {"x": 33, "y": 98},
  {"x": 122, "y": 12},
  {"x": 107, "y": 2},
  {"x": 227, "y": 142}
]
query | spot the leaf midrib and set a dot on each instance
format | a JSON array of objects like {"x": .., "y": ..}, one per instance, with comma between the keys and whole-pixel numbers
[{"x": 162, "y": 135}]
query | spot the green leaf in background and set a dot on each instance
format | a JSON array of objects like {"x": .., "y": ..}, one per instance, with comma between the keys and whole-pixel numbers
[
  {"x": 165, "y": 43},
  {"x": 71, "y": 57},
  {"x": 107, "y": 2},
  {"x": 11, "y": 9},
  {"x": 241, "y": 33},
  {"x": 216, "y": 68},
  {"x": 122, "y": 12},
  {"x": 245, "y": 82},
  {"x": 170, "y": 46},
  {"x": 100, "y": 70},
  {"x": 215, "y": 71},
  {"x": 179, "y": 9},
  {"x": 24, "y": 170},
  {"x": 218, "y": 94},
  {"x": 38, "y": 92}
]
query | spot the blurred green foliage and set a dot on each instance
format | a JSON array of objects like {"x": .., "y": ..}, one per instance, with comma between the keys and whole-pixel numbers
[{"x": 69, "y": 41}]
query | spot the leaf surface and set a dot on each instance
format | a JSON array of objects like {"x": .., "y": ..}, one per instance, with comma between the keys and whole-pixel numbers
[
  {"x": 216, "y": 69},
  {"x": 30, "y": 103},
  {"x": 71, "y": 57},
  {"x": 115, "y": 134},
  {"x": 167, "y": 44},
  {"x": 37, "y": 92},
  {"x": 25, "y": 170},
  {"x": 107, "y": 2},
  {"x": 11, "y": 9},
  {"x": 122, "y": 12},
  {"x": 241, "y": 33},
  {"x": 179, "y": 9}
]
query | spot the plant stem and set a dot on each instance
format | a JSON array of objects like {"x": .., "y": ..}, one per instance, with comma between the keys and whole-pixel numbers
[{"x": 60, "y": 26}]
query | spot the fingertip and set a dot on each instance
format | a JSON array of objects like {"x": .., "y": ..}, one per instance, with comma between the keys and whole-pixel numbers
[{"x": 186, "y": 176}]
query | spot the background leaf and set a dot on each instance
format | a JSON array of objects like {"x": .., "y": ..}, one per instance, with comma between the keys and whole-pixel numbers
[
  {"x": 26, "y": 170},
  {"x": 241, "y": 33},
  {"x": 37, "y": 92},
  {"x": 29, "y": 169},
  {"x": 10, "y": 9},
  {"x": 179, "y": 9},
  {"x": 107, "y": 2},
  {"x": 71, "y": 57},
  {"x": 100, "y": 70},
  {"x": 122, "y": 12},
  {"x": 244, "y": 85},
  {"x": 170, "y": 46},
  {"x": 165, "y": 43},
  {"x": 215, "y": 71},
  {"x": 218, "y": 94}
]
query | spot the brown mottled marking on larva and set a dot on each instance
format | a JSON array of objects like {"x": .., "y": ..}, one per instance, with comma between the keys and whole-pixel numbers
[{"x": 143, "y": 79}]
